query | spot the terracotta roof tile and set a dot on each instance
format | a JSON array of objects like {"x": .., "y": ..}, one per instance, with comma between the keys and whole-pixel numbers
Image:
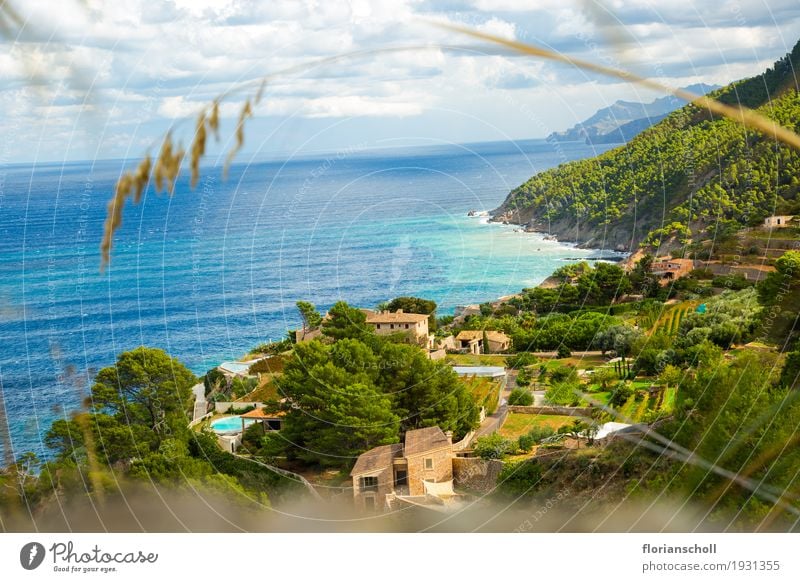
[
  {"x": 424, "y": 439},
  {"x": 377, "y": 458},
  {"x": 395, "y": 317},
  {"x": 473, "y": 334}
]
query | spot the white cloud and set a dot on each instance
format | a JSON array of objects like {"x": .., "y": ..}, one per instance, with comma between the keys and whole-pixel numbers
[
  {"x": 150, "y": 63},
  {"x": 358, "y": 106},
  {"x": 499, "y": 27}
]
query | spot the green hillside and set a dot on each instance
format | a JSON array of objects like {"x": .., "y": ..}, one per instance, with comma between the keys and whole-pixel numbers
[{"x": 683, "y": 179}]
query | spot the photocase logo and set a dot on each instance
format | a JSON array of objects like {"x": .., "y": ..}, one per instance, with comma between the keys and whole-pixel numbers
[{"x": 31, "y": 555}]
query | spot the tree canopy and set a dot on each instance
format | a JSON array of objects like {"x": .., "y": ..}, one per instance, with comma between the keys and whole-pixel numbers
[
  {"x": 344, "y": 321},
  {"x": 347, "y": 397}
]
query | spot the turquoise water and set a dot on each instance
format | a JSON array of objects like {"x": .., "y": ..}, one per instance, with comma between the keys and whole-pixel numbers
[
  {"x": 208, "y": 274},
  {"x": 230, "y": 424}
]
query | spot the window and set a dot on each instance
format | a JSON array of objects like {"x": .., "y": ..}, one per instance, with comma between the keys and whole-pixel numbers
[
  {"x": 369, "y": 483},
  {"x": 406, "y": 326},
  {"x": 391, "y": 326},
  {"x": 428, "y": 463},
  {"x": 379, "y": 326}
]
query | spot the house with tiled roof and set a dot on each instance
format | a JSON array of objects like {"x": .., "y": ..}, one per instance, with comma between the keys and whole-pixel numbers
[
  {"x": 668, "y": 269},
  {"x": 471, "y": 341},
  {"x": 782, "y": 221},
  {"x": 415, "y": 325},
  {"x": 411, "y": 470}
]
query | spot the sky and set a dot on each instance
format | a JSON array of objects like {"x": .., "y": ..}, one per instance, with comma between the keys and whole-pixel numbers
[{"x": 83, "y": 80}]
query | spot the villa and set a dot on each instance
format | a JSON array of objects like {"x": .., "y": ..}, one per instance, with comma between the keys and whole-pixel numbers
[
  {"x": 667, "y": 269},
  {"x": 415, "y": 325},
  {"x": 471, "y": 342},
  {"x": 417, "y": 470},
  {"x": 782, "y": 221}
]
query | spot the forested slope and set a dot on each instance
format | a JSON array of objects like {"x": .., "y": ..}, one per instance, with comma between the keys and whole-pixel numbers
[{"x": 683, "y": 179}]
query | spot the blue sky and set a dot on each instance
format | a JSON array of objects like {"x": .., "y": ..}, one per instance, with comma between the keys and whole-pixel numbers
[{"x": 90, "y": 80}]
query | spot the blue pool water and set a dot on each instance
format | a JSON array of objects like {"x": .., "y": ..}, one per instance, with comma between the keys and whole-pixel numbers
[
  {"x": 230, "y": 424},
  {"x": 209, "y": 273}
]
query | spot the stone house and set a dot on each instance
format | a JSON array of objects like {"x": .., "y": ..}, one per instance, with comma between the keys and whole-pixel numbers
[
  {"x": 781, "y": 221},
  {"x": 391, "y": 322},
  {"x": 471, "y": 342},
  {"x": 402, "y": 470},
  {"x": 667, "y": 269}
]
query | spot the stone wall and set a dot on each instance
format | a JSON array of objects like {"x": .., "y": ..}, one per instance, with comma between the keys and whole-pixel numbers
[
  {"x": 373, "y": 499},
  {"x": 465, "y": 442},
  {"x": 475, "y": 475},
  {"x": 559, "y": 410},
  {"x": 441, "y": 471},
  {"x": 749, "y": 273},
  {"x": 222, "y": 407}
]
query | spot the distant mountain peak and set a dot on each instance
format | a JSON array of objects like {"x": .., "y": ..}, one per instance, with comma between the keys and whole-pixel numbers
[{"x": 623, "y": 120}]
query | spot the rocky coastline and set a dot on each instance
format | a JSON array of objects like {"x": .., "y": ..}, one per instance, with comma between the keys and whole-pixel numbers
[{"x": 618, "y": 238}]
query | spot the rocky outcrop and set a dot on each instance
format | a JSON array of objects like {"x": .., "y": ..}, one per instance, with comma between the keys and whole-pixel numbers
[{"x": 620, "y": 237}]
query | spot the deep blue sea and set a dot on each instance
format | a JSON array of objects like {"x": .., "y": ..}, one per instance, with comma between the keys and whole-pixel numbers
[{"x": 208, "y": 274}]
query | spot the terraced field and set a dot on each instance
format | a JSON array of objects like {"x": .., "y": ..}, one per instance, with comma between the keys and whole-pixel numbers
[
  {"x": 634, "y": 410},
  {"x": 670, "y": 321}
]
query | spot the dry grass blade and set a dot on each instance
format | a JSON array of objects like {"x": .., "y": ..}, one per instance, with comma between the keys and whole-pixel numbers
[
  {"x": 83, "y": 420},
  {"x": 168, "y": 166},
  {"x": 10, "y": 21},
  {"x": 260, "y": 92},
  {"x": 114, "y": 216},
  {"x": 198, "y": 148},
  {"x": 247, "y": 111},
  {"x": 140, "y": 178},
  {"x": 742, "y": 115},
  {"x": 213, "y": 119},
  {"x": 132, "y": 183}
]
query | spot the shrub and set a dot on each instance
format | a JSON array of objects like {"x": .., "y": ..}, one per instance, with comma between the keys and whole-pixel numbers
[
  {"x": 701, "y": 274},
  {"x": 520, "y": 397},
  {"x": 272, "y": 446},
  {"x": 243, "y": 410},
  {"x": 524, "y": 377},
  {"x": 737, "y": 282},
  {"x": 520, "y": 478},
  {"x": 563, "y": 373},
  {"x": 622, "y": 392},
  {"x": 251, "y": 438},
  {"x": 563, "y": 393},
  {"x": 273, "y": 348},
  {"x": 270, "y": 365},
  {"x": 444, "y": 320},
  {"x": 512, "y": 447},
  {"x": 521, "y": 360},
  {"x": 539, "y": 433},
  {"x": 564, "y": 351},
  {"x": 214, "y": 380},
  {"x": 526, "y": 442},
  {"x": 493, "y": 446}
]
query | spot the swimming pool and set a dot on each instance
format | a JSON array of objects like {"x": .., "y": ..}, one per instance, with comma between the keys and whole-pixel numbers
[
  {"x": 480, "y": 371},
  {"x": 236, "y": 367},
  {"x": 230, "y": 424}
]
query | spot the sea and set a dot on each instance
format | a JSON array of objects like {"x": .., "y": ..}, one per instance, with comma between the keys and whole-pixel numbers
[{"x": 208, "y": 273}]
